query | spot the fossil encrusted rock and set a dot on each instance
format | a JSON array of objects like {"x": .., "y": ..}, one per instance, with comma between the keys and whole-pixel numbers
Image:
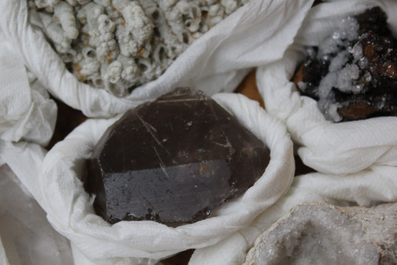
[
  {"x": 325, "y": 234},
  {"x": 118, "y": 45},
  {"x": 173, "y": 160}
]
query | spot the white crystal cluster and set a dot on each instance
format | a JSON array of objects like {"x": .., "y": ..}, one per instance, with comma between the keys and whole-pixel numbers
[
  {"x": 121, "y": 44},
  {"x": 344, "y": 68}
]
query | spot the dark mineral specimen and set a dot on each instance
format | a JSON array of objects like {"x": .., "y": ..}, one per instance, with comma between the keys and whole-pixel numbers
[
  {"x": 353, "y": 74},
  {"x": 173, "y": 160}
]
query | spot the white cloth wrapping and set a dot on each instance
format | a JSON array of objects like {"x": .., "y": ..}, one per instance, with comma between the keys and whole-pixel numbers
[
  {"x": 69, "y": 208},
  {"x": 332, "y": 148},
  {"x": 256, "y": 34},
  {"x": 26, "y": 112}
]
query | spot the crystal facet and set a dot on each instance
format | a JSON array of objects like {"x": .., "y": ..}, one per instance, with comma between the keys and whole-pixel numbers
[{"x": 173, "y": 161}]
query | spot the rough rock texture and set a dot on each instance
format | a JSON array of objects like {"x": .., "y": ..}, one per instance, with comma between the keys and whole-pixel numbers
[
  {"x": 325, "y": 234},
  {"x": 118, "y": 45},
  {"x": 352, "y": 74},
  {"x": 173, "y": 160}
]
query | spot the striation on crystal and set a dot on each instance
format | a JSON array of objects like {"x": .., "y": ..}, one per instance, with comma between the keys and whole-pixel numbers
[{"x": 173, "y": 161}]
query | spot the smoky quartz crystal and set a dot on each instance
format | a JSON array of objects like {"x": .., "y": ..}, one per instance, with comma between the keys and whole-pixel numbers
[{"x": 173, "y": 161}]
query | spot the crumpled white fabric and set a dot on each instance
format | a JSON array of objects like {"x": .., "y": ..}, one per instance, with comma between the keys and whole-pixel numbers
[
  {"x": 26, "y": 112},
  {"x": 26, "y": 115},
  {"x": 256, "y": 34},
  {"x": 70, "y": 211},
  {"x": 333, "y": 148}
]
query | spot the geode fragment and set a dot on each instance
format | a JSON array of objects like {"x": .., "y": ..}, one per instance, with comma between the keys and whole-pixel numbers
[
  {"x": 173, "y": 160},
  {"x": 352, "y": 74},
  {"x": 325, "y": 234}
]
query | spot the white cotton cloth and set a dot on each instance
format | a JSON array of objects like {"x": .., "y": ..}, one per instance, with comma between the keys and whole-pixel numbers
[
  {"x": 376, "y": 184},
  {"x": 26, "y": 112},
  {"x": 69, "y": 208},
  {"x": 256, "y": 34},
  {"x": 332, "y": 148}
]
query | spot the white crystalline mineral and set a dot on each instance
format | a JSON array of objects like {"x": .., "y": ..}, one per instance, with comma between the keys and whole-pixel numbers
[
  {"x": 325, "y": 234},
  {"x": 118, "y": 45},
  {"x": 341, "y": 75}
]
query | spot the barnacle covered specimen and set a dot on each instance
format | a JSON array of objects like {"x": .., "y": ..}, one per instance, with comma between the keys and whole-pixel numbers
[
  {"x": 121, "y": 44},
  {"x": 352, "y": 73}
]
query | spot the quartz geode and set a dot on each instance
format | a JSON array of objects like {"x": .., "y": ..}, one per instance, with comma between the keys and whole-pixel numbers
[
  {"x": 173, "y": 160},
  {"x": 324, "y": 234}
]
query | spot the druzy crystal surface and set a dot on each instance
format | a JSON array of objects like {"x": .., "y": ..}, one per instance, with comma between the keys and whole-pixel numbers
[
  {"x": 320, "y": 233},
  {"x": 352, "y": 74},
  {"x": 173, "y": 161}
]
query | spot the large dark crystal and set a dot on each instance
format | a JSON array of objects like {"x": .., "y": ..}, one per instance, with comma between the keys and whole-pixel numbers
[{"x": 173, "y": 160}]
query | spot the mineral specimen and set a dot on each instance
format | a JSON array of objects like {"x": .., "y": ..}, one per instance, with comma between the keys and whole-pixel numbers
[
  {"x": 352, "y": 74},
  {"x": 173, "y": 160},
  {"x": 121, "y": 44},
  {"x": 325, "y": 234}
]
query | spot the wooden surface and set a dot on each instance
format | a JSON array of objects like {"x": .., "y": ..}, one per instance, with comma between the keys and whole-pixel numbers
[
  {"x": 249, "y": 88},
  {"x": 69, "y": 118}
]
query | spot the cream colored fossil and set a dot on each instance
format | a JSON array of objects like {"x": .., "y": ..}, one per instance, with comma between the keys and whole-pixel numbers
[{"x": 118, "y": 45}]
